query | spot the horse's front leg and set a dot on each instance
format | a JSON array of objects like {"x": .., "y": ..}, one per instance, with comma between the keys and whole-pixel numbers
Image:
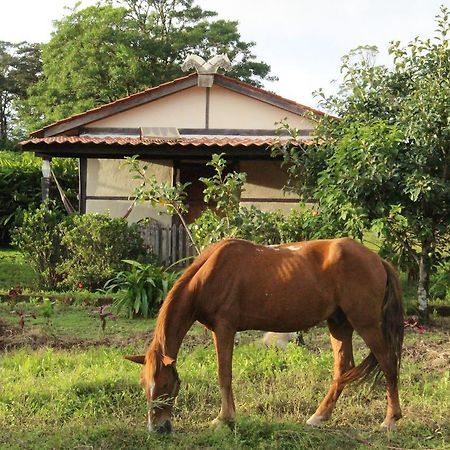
[{"x": 224, "y": 343}]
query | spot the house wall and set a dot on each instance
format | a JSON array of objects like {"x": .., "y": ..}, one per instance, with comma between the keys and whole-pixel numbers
[
  {"x": 229, "y": 109},
  {"x": 187, "y": 109},
  {"x": 109, "y": 186},
  {"x": 263, "y": 187}
]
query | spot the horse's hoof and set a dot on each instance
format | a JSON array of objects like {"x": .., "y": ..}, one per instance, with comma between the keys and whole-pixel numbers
[
  {"x": 219, "y": 423},
  {"x": 315, "y": 421},
  {"x": 388, "y": 425}
]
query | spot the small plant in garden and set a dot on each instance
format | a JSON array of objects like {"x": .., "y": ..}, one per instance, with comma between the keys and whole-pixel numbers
[
  {"x": 141, "y": 289},
  {"x": 47, "y": 309},
  {"x": 224, "y": 189},
  {"x": 13, "y": 293},
  {"x": 22, "y": 316},
  {"x": 103, "y": 314}
]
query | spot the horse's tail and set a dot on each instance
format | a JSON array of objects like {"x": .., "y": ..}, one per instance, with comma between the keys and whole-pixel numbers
[{"x": 392, "y": 325}]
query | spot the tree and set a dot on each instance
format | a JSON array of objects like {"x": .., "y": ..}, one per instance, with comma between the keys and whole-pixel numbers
[
  {"x": 20, "y": 65},
  {"x": 104, "y": 52},
  {"x": 385, "y": 162}
]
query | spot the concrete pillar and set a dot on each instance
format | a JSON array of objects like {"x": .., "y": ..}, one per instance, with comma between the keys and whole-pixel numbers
[{"x": 45, "y": 180}]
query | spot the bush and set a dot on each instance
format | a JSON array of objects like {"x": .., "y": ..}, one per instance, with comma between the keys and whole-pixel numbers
[
  {"x": 20, "y": 186},
  {"x": 268, "y": 228},
  {"x": 96, "y": 247},
  {"x": 260, "y": 226},
  {"x": 303, "y": 224},
  {"x": 141, "y": 289},
  {"x": 440, "y": 282},
  {"x": 77, "y": 251},
  {"x": 39, "y": 239}
]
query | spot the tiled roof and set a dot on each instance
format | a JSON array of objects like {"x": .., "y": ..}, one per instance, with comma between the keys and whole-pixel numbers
[{"x": 208, "y": 141}]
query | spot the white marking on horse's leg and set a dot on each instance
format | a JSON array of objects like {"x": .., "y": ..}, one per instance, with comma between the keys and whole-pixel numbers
[
  {"x": 388, "y": 425},
  {"x": 237, "y": 338},
  {"x": 315, "y": 421}
]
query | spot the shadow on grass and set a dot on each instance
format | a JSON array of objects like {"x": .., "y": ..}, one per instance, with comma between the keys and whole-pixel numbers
[{"x": 249, "y": 433}]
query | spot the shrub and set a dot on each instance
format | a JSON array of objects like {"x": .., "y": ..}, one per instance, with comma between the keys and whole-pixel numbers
[
  {"x": 305, "y": 223},
  {"x": 39, "y": 239},
  {"x": 76, "y": 251},
  {"x": 260, "y": 226},
  {"x": 141, "y": 289},
  {"x": 20, "y": 186},
  {"x": 440, "y": 281},
  {"x": 96, "y": 247},
  {"x": 268, "y": 228}
]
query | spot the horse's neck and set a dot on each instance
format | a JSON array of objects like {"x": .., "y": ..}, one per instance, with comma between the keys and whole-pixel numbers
[{"x": 175, "y": 319}]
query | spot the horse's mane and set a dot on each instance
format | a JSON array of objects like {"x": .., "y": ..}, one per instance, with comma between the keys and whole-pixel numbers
[{"x": 158, "y": 344}]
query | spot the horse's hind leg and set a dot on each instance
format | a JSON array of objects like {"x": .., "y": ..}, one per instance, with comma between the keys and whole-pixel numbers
[
  {"x": 341, "y": 340},
  {"x": 388, "y": 362},
  {"x": 224, "y": 343}
]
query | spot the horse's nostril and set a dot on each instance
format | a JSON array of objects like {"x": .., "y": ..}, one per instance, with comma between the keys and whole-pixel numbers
[{"x": 166, "y": 427}]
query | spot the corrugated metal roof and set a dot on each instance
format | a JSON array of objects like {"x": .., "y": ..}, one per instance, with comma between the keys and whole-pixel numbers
[{"x": 209, "y": 141}]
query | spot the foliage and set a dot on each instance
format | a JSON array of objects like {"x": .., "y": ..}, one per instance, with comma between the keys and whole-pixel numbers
[
  {"x": 229, "y": 219},
  {"x": 20, "y": 186},
  {"x": 305, "y": 223},
  {"x": 140, "y": 289},
  {"x": 171, "y": 198},
  {"x": 262, "y": 227},
  {"x": 77, "y": 251},
  {"x": 39, "y": 238},
  {"x": 440, "y": 281},
  {"x": 96, "y": 246},
  {"x": 103, "y": 52},
  {"x": 385, "y": 162},
  {"x": 224, "y": 190},
  {"x": 20, "y": 66}
]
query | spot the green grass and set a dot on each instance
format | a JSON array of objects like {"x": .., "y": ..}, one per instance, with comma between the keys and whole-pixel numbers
[
  {"x": 90, "y": 398},
  {"x": 14, "y": 271},
  {"x": 71, "y": 322}
]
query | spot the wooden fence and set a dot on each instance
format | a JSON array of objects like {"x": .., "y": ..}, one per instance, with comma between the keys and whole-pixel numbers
[{"x": 169, "y": 244}]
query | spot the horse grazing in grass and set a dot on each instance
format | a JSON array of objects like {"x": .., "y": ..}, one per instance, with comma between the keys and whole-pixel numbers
[{"x": 235, "y": 285}]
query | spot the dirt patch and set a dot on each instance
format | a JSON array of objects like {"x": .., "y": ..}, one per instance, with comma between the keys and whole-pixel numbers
[
  {"x": 433, "y": 355},
  {"x": 13, "y": 337}
]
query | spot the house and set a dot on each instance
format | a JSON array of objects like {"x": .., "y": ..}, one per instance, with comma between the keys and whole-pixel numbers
[{"x": 175, "y": 128}]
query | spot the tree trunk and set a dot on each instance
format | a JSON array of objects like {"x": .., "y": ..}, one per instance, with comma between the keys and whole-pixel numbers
[{"x": 424, "y": 280}]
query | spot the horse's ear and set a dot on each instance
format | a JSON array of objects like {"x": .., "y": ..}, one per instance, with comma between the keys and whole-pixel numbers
[
  {"x": 167, "y": 360},
  {"x": 139, "y": 359}
]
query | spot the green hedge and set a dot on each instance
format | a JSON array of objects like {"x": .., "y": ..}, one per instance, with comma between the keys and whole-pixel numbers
[
  {"x": 20, "y": 186},
  {"x": 76, "y": 251}
]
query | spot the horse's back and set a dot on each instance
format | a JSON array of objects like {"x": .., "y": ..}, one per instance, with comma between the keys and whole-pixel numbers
[{"x": 290, "y": 286}]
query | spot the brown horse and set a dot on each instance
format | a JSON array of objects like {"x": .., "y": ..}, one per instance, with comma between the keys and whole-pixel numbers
[{"x": 236, "y": 285}]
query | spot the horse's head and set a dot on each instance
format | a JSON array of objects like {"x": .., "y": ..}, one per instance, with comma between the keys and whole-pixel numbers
[{"x": 159, "y": 378}]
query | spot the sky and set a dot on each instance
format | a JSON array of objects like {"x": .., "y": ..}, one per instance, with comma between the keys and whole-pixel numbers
[{"x": 303, "y": 41}]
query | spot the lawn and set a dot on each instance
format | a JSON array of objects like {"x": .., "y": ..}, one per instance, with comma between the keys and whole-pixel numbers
[{"x": 64, "y": 384}]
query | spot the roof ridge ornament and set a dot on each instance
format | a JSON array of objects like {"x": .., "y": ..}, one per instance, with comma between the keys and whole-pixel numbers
[{"x": 206, "y": 69}]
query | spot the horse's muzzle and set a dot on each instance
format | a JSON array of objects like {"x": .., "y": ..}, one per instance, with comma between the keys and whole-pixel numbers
[{"x": 166, "y": 427}]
